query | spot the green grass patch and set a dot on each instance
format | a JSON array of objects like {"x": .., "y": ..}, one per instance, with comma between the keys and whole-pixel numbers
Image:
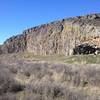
[{"x": 74, "y": 59}]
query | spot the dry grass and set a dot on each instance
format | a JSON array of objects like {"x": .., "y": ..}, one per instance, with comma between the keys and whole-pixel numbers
[
  {"x": 42, "y": 78},
  {"x": 74, "y": 59}
]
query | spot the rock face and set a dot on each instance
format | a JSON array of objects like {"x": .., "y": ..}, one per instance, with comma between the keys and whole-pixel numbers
[
  {"x": 59, "y": 37},
  {"x": 14, "y": 44},
  {"x": 85, "y": 49},
  {"x": 0, "y": 49}
]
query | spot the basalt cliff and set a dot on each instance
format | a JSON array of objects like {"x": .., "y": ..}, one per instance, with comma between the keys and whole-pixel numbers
[{"x": 59, "y": 37}]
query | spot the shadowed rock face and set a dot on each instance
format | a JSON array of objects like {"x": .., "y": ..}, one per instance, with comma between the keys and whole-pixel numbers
[
  {"x": 86, "y": 49},
  {"x": 59, "y": 37},
  {"x": 0, "y": 49}
]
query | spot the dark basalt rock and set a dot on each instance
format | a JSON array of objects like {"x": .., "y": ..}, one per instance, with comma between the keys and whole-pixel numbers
[{"x": 86, "y": 49}]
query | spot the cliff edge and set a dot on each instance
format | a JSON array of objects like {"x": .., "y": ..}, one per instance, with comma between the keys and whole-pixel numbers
[{"x": 59, "y": 37}]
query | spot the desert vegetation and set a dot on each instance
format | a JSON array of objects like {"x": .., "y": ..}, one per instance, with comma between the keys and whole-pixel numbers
[{"x": 22, "y": 78}]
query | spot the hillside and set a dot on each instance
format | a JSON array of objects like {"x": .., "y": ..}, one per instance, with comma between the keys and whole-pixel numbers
[
  {"x": 29, "y": 77},
  {"x": 55, "y": 61},
  {"x": 59, "y": 37}
]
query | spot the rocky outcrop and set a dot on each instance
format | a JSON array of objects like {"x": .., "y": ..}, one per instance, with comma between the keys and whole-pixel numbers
[
  {"x": 15, "y": 44},
  {"x": 86, "y": 49},
  {"x": 59, "y": 37},
  {"x": 0, "y": 49}
]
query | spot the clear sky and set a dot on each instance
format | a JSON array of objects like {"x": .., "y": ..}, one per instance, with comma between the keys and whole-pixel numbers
[{"x": 18, "y": 15}]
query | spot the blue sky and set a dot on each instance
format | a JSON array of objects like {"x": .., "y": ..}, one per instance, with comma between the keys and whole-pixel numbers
[{"x": 18, "y": 15}]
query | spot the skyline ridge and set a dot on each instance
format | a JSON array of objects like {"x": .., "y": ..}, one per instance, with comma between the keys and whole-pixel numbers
[
  {"x": 66, "y": 18},
  {"x": 17, "y": 15}
]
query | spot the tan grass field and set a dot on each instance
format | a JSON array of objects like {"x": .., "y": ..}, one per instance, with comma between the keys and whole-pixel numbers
[{"x": 24, "y": 76}]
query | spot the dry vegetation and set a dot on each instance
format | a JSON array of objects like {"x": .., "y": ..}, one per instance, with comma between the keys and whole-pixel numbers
[{"x": 48, "y": 78}]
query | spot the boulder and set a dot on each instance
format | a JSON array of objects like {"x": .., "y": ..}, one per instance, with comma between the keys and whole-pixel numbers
[{"x": 86, "y": 49}]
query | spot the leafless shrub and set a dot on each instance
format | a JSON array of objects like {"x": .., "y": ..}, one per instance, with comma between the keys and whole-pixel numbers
[
  {"x": 13, "y": 70},
  {"x": 8, "y": 84},
  {"x": 38, "y": 69},
  {"x": 8, "y": 96},
  {"x": 55, "y": 91},
  {"x": 92, "y": 76},
  {"x": 41, "y": 88}
]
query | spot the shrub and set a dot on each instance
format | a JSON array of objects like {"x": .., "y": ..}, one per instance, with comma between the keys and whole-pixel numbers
[{"x": 7, "y": 83}]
